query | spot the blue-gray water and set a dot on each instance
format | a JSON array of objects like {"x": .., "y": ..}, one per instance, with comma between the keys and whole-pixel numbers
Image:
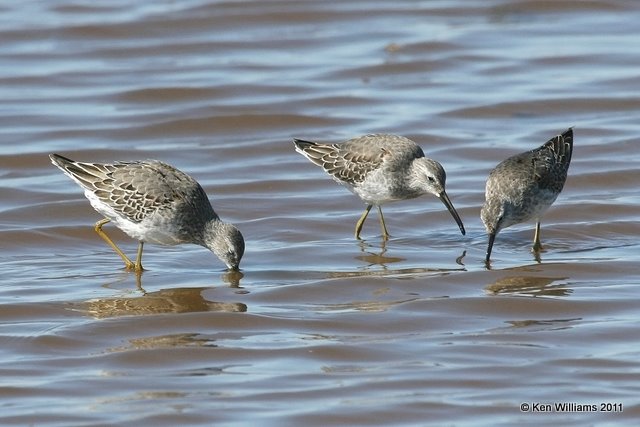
[{"x": 322, "y": 329}]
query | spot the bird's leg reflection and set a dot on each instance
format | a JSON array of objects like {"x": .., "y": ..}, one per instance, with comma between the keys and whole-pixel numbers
[
  {"x": 123, "y": 283},
  {"x": 375, "y": 255},
  {"x": 139, "y": 281},
  {"x": 230, "y": 277},
  {"x": 365, "y": 246},
  {"x": 536, "y": 257}
]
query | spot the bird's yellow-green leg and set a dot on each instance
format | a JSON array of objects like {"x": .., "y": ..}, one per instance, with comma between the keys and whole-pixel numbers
[
  {"x": 138, "y": 266},
  {"x": 361, "y": 221},
  {"x": 383, "y": 226},
  {"x": 98, "y": 227},
  {"x": 537, "y": 246}
]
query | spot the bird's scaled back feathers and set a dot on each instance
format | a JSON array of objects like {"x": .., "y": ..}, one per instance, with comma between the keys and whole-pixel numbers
[
  {"x": 352, "y": 161},
  {"x": 136, "y": 190},
  {"x": 546, "y": 166}
]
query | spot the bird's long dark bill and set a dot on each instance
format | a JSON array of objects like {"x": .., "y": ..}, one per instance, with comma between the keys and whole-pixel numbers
[
  {"x": 492, "y": 237},
  {"x": 454, "y": 213}
]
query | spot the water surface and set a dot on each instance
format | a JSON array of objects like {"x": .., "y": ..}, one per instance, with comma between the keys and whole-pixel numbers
[{"x": 321, "y": 329}]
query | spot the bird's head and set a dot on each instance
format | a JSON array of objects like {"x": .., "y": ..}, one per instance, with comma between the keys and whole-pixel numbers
[{"x": 227, "y": 243}]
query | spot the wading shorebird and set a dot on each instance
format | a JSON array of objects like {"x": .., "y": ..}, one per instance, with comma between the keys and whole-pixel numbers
[
  {"x": 153, "y": 202},
  {"x": 523, "y": 187},
  {"x": 379, "y": 169}
]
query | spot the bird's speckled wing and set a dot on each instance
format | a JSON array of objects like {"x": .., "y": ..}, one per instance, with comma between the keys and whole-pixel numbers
[
  {"x": 548, "y": 164},
  {"x": 350, "y": 162},
  {"x": 134, "y": 190},
  {"x": 551, "y": 161},
  {"x": 350, "y": 167}
]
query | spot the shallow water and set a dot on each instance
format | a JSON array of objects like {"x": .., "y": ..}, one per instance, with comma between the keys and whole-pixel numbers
[{"x": 320, "y": 329}]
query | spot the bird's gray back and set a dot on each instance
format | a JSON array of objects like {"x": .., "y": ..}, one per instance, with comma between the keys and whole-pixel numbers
[
  {"x": 544, "y": 168},
  {"x": 138, "y": 190},
  {"x": 161, "y": 187},
  {"x": 392, "y": 149},
  {"x": 352, "y": 161}
]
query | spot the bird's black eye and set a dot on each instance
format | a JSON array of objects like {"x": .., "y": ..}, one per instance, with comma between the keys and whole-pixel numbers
[{"x": 431, "y": 179}]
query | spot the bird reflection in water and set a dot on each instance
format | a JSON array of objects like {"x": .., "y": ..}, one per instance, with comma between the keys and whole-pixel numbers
[
  {"x": 231, "y": 277},
  {"x": 555, "y": 324},
  {"x": 167, "y": 341},
  {"x": 375, "y": 255},
  {"x": 173, "y": 300},
  {"x": 527, "y": 285}
]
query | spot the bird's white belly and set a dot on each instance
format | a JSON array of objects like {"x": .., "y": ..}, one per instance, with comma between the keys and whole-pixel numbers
[
  {"x": 376, "y": 189},
  {"x": 532, "y": 206},
  {"x": 150, "y": 232},
  {"x": 374, "y": 194}
]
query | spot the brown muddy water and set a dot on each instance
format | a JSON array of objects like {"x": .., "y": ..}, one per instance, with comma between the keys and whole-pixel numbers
[{"x": 322, "y": 329}]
